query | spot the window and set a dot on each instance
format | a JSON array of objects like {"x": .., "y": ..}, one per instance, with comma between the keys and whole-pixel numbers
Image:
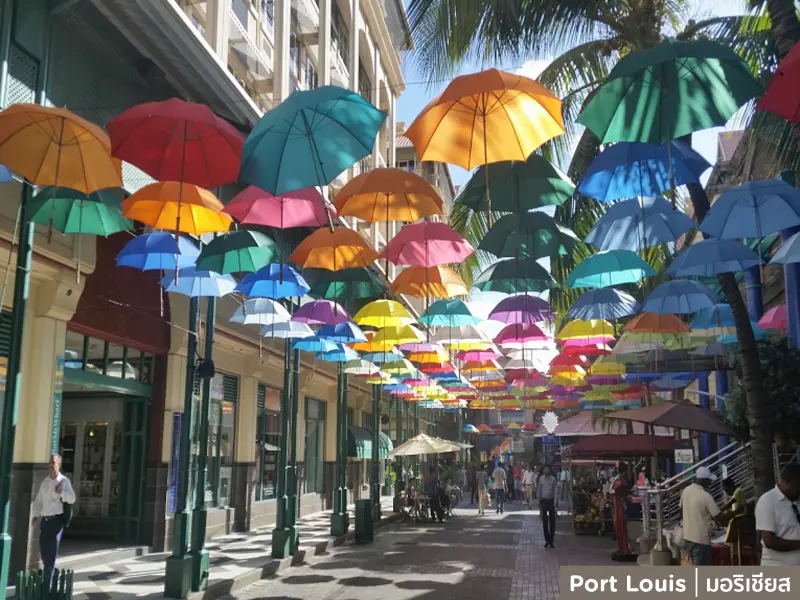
[
  {"x": 339, "y": 33},
  {"x": 407, "y": 165},
  {"x": 364, "y": 85},
  {"x": 315, "y": 446},
  {"x": 366, "y": 421},
  {"x": 312, "y": 81},
  {"x": 83, "y": 353},
  {"x": 268, "y": 441}
]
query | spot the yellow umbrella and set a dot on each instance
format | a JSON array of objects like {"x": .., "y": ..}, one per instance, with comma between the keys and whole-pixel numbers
[
  {"x": 606, "y": 365},
  {"x": 179, "y": 207},
  {"x": 585, "y": 329},
  {"x": 432, "y": 282},
  {"x": 383, "y": 313},
  {"x": 396, "y": 336}
]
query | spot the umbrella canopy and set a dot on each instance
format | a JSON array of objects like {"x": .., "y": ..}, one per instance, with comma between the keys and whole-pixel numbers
[
  {"x": 427, "y": 244},
  {"x": 775, "y": 318},
  {"x": 6, "y": 176},
  {"x": 240, "y": 251},
  {"x": 609, "y": 267},
  {"x": 361, "y": 283},
  {"x": 652, "y": 323},
  {"x": 513, "y": 276},
  {"x": 194, "y": 283},
  {"x": 344, "y": 333},
  {"x": 361, "y": 368},
  {"x": 388, "y": 194},
  {"x": 631, "y": 169},
  {"x": 340, "y": 353},
  {"x": 781, "y": 96},
  {"x": 315, "y": 344},
  {"x": 334, "y": 250},
  {"x": 753, "y": 209},
  {"x": 637, "y": 224},
  {"x": 300, "y": 208},
  {"x": 321, "y": 312},
  {"x": 585, "y": 330},
  {"x": 176, "y": 206},
  {"x": 158, "y": 251},
  {"x": 522, "y": 309},
  {"x": 712, "y": 257},
  {"x": 517, "y": 186},
  {"x": 615, "y": 446},
  {"x": 670, "y": 90},
  {"x": 260, "y": 311},
  {"x": 291, "y": 330},
  {"x": 397, "y": 335},
  {"x": 448, "y": 313},
  {"x": 679, "y": 297},
  {"x": 712, "y": 317},
  {"x": 680, "y": 415},
  {"x": 605, "y": 303},
  {"x": 172, "y": 140},
  {"x": 309, "y": 139},
  {"x": 789, "y": 252},
  {"x": 273, "y": 281},
  {"x": 520, "y": 334},
  {"x": 423, "y": 444},
  {"x": 430, "y": 282},
  {"x": 530, "y": 235},
  {"x": 70, "y": 211},
  {"x": 383, "y": 313}
]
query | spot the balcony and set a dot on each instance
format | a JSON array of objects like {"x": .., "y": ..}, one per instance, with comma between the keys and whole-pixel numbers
[
  {"x": 250, "y": 59},
  {"x": 340, "y": 74},
  {"x": 305, "y": 14}
]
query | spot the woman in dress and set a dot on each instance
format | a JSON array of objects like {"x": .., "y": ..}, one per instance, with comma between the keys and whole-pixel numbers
[{"x": 620, "y": 488}]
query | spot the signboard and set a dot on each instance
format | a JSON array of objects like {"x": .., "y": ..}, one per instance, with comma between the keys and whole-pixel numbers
[
  {"x": 518, "y": 447},
  {"x": 684, "y": 456},
  {"x": 550, "y": 439},
  {"x": 175, "y": 466},
  {"x": 58, "y": 393}
]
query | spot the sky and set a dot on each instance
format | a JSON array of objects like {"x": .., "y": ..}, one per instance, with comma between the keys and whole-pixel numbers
[{"x": 418, "y": 92}]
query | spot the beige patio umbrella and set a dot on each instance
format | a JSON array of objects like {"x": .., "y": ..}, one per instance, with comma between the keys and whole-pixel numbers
[{"x": 424, "y": 444}]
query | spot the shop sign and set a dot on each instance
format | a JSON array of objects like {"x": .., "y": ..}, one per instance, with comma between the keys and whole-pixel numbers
[
  {"x": 58, "y": 393},
  {"x": 550, "y": 439},
  {"x": 684, "y": 456},
  {"x": 517, "y": 447}
]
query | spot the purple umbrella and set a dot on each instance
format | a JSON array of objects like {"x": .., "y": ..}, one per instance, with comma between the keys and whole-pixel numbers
[
  {"x": 321, "y": 312},
  {"x": 522, "y": 309},
  {"x": 603, "y": 379}
]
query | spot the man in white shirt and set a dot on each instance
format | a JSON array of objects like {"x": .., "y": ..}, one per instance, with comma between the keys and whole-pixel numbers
[
  {"x": 54, "y": 492},
  {"x": 699, "y": 514},
  {"x": 778, "y": 520},
  {"x": 499, "y": 484},
  {"x": 528, "y": 483},
  {"x": 546, "y": 489}
]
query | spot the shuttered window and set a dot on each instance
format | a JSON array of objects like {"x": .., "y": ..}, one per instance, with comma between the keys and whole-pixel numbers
[{"x": 268, "y": 441}]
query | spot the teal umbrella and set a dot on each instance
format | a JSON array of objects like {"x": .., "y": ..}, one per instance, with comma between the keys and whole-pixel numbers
[
  {"x": 309, "y": 139},
  {"x": 512, "y": 276},
  {"x": 448, "y": 313},
  {"x": 517, "y": 186},
  {"x": 241, "y": 251},
  {"x": 70, "y": 211},
  {"x": 612, "y": 267},
  {"x": 530, "y": 235},
  {"x": 358, "y": 283}
]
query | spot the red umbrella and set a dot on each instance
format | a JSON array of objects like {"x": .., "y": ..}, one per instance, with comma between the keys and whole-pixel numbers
[
  {"x": 588, "y": 350},
  {"x": 569, "y": 360},
  {"x": 427, "y": 245},
  {"x": 529, "y": 427},
  {"x": 303, "y": 208},
  {"x": 175, "y": 140},
  {"x": 513, "y": 374},
  {"x": 782, "y": 96}
]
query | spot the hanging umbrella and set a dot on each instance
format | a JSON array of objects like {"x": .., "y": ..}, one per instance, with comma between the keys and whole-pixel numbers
[
  {"x": 158, "y": 251},
  {"x": 448, "y": 313},
  {"x": 179, "y": 207},
  {"x": 340, "y": 353},
  {"x": 240, "y": 251},
  {"x": 427, "y": 244},
  {"x": 334, "y": 250},
  {"x": 638, "y": 224},
  {"x": 291, "y": 330},
  {"x": 309, "y": 139},
  {"x": 669, "y": 90},
  {"x": 679, "y": 297},
  {"x": 399, "y": 367},
  {"x": 70, "y": 211},
  {"x": 315, "y": 344},
  {"x": 711, "y": 257},
  {"x": 260, "y": 311},
  {"x": 603, "y": 303},
  {"x": 520, "y": 334},
  {"x": 781, "y": 96},
  {"x": 194, "y": 283},
  {"x": 732, "y": 338},
  {"x": 570, "y": 360},
  {"x": 522, "y": 308},
  {"x": 383, "y": 313},
  {"x": 713, "y": 349},
  {"x": 517, "y": 186},
  {"x": 789, "y": 251},
  {"x": 463, "y": 337},
  {"x": 321, "y": 312},
  {"x": 380, "y": 358},
  {"x": 652, "y": 323},
  {"x": 630, "y": 169},
  {"x": 360, "y": 368},
  {"x": 423, "y": 444},
  {"x": 530, "y": 235},
  {"x": 512, "y": 276},
  {"x": 610, "y": 267},
  {"x": 361, "y": 283},
  {"x": 344, "y": 333},
  {"x": 6, "y": 176},
  {"x": 397, "y": 336},
  {"x": 300, "y": 208},
  {"x": 470, "y": 429},
  {"x": 273, "y": 281},
  {"x": 588, "y": 350},
  {"x": 775, "y": 318},
  {"x": 430, "y": 282}
]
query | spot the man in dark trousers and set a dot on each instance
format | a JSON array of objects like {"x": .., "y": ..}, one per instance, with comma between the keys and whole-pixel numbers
[
  {"x": 432, "y": 490},
  {"x": 55, "y": 491},
  {"x": 546, "y": 492}
]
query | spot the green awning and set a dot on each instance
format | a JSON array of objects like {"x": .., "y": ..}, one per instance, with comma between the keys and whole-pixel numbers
[{"x": 359, "y": 443}]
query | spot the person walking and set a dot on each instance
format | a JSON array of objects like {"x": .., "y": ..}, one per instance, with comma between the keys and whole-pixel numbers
[
  {"x": 432, "y": 490},
  {"x": 473, "y": 487},
  {"x": 778, "y": 520},
  {"x": 528, "y": 485},
  {"x": 482, "y": 489},
  {"x": 500, "y": 486},
  {"x": 699, "y": 513},
  {"x": 546, "y": 489},
  {"x": 510, "y": 484},
  {"x": 49, "y": 506}
]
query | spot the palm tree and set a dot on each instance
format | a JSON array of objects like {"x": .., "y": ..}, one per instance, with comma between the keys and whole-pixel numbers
[
  {"x": 448, "y": 32},
  {"x": 785, "y": 23}
]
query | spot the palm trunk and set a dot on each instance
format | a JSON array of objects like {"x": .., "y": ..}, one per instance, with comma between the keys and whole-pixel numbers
[
  {"x": 756, "y": 400},
  {"x": 785, "y": 25}
]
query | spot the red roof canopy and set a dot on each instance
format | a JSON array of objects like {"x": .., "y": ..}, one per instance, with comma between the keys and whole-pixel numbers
[{"x": 609, "y": 445}]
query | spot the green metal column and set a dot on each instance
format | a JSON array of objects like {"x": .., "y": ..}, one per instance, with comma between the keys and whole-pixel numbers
[
  {"x": 178, "y": 575},
  {"x": 294, "y": 504},
  {"x": 280, "y": 535},
  {"x": 376, "y": 438},
  {"x": 339, "y": 518},
  {"x": 460, "y": 425},
  {"x": 199, "y": 554}
]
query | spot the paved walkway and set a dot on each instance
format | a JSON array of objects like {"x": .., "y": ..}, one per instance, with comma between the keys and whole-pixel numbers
[{"x": 471, "y": 557}]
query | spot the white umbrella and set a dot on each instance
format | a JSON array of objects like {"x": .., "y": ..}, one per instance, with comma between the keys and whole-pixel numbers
[
  {"x": 260, "y": 311},
  {"x": 424, "y": 444},
  {"x": 361, "y": 367},
  {"x": 291, "y": 330}
]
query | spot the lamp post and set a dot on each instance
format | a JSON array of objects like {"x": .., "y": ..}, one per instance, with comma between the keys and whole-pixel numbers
[
  {"x": 280, "y": 536},
  {"x": 376, "y": 436},
  {"x": 294, "y": 505},
  {"x": 339, "y": 518}
]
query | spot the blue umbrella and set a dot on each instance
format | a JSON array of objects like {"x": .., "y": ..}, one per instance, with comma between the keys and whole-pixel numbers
[
  {"x": 396, "y": 387},
  {"x": 343, "y": 333},
  {"x": 315, "y": 344},
  {"x": 378, "y": 358},
  {"x": 789, "y": 252},
  {"x": 679, "y": 297},
  {"x": 638, "y": 224},
  {"x": 340, "y": 353},
  {"x": 5, "y": 175},
  {"x": 719, "y": 315},
  {"x": 730, "y": 338},
  {"x": 610, "y": 267},
  {"x": 669, "y": 383},
  {"x": 194, "y": 283},
  {"x": 157, "y": 251},
  {"x": 274, "y": 281},
  {"x": 605, "y": 303},
  {"x": 712, "y": 257},
  {"x": 630, "y": 169},
  {"x": 309, "y": 139},
  {"x": 753, "y": 210}
]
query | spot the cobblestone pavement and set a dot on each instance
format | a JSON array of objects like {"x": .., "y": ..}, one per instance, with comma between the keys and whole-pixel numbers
[{"x": 490, "y": 557}]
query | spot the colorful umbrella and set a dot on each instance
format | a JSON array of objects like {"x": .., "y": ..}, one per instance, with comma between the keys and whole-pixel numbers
[
  {"x": 586, "y": 332},
  {"x": 360, "y": 368},
  {"x": 309, "y": 139},
  {"x": 361, "y": 283},
  {"x": 522, "y": 308},
  {"x": 260, "y": 311},
  {"x": 344, "y": 333},
  {"x": 380, "y": 358},
  {"x": 531, "y": 235},
  {"x": 397, "y": 335},
  {"x": 430, "y": 282},
  {"x": 712, "y": 257},
  {"x": 315, "y": 344},
  {"x": 652, "y": 323},
  {"x": 340, "y": 353},
  {"x": 158, "y": 251},
  {"x": 513, "y": 276},
  {"x": 471, "y": 429},
  {"x": 448, "y": 313},
  {"x": 719, "y": 315},
  {"x": 679, "y": 297},
  {"x": 6, "y": 176},
  {"x": 273, "y": 281},
  {"x": 669, "y": 90},
  {"x": 427, "y": 244},
  {"x": 240, "y": 251},
  {"x": 300, "y": 208},
  {"x": 321, "y": 312},
  {"x": 789, "y": 252},
  {"x": 775, "y": 318},
  {"x": 610, "y": 267},
  {"x": 383, "y": 313},
  {"x": 334, "y": 250},
  {"x": 71, "y": 211},
  {"x": 520, "y": 334},
  {"x": 179, "y": 207},
  {"x": 287, "y": 331},
  {"x": 781, "y": 96},
  {"x": 194, "y": 283},
  {"x": 603, "y": 303}
]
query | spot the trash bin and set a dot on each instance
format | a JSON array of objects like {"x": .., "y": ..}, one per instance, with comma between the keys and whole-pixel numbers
[
  {"x": 36, "y": 584},
  {"x": 365, "y": 530}
]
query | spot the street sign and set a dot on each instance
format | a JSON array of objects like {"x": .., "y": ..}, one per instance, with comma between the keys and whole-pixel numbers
[{"x": 684, "y": 456}]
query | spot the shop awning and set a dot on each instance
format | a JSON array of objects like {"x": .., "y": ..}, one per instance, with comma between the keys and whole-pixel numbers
[
  {"x": 617, "y": 446},
  {"x": 359, "y": 443}
]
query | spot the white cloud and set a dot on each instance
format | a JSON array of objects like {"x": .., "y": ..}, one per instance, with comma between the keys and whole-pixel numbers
[{"x": 533, "y": 68}]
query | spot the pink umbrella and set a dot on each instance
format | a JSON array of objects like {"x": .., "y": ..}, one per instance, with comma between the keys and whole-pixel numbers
[
  {"x": 478, "y": 355},
  {"x": 420, "y": 347},
  {"x": 527, "y": 332},
  {"x": 530, "y": 382},
  {"x": 321, "y": 312},
  {"x": 522, "y": 309},
  {"x": 427, "y": 245},
  {"x": 590, "y": 341},
  {"x": 416, "y": 382},
  {"x": 302, "y": 208},
  {"x": 775, "y": 318}
]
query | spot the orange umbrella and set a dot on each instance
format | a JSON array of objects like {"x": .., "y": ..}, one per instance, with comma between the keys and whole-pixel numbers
[
  {"x": 55, "y": 147},
  {"x": 653, "y": 323},
  {"x": 179, "y": 207},
  {"x": 333, "y": 250},
  {"x": 437, "y": 282}
]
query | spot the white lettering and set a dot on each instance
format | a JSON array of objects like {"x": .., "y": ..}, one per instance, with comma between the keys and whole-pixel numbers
[{"x": 575, "y": 582}]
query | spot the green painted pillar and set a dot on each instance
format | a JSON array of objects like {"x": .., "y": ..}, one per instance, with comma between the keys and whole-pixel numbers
[
  {"x": 294, "y": 504},
  {"x": 199, "y": 554},
  {"x": 376, "y": 438},
  {"x": 460, "y": 425},
  {"x": 178, "y": 574},
  {"x": 339, "y": 517},
  {"x": 281, "y": 547}
]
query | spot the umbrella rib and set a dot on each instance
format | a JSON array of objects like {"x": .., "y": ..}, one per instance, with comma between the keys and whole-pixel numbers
[{"x": 516, "y": 136}]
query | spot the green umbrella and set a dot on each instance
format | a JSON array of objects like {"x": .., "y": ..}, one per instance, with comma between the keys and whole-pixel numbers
[
  {"x": 517, "y": 186},
  {"x": 668, "y": 91},
  {"x": 512, "y": 276},
  {"x": 242, "y": 251},
  {"x": 70, "y": 211},
  {"x": 529, "y": 235},
  {"x": 358, "y": 283}
]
